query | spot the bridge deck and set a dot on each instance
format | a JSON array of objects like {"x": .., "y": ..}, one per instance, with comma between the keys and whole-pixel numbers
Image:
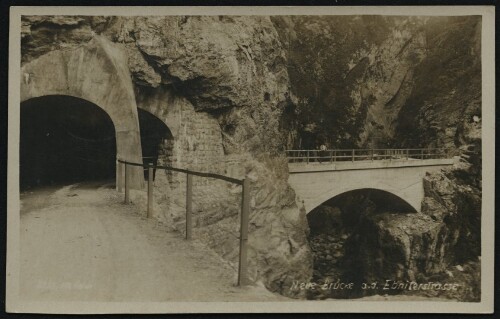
[{"x": 367, "y": 165}]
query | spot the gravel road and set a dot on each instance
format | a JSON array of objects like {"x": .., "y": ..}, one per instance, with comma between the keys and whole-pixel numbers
[{"x": 80, "y": 243}]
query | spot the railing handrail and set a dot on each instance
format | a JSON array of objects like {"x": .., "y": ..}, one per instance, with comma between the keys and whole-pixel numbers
[
  {"x": 187, "y": 171},
  {"x": 370, "y": 149},
  {"x": 370, "y": 154},
  {"x": 245, "y": 203}
]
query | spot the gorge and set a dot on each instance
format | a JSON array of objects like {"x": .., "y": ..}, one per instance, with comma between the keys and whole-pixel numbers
[{"x": 229, "y": 94}]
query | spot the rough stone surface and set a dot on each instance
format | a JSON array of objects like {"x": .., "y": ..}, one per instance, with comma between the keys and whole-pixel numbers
[
  {"x": 384, "y": 81},
  {"x": 235, "y": 91},
  {"x": 444, "y": 108},
  {"x": 220, "y": 84},
  {"x": 277, "y": 232},
  {"x": 352, "y": 75},
  {"x": 420, "y": 246},
  {"x": 398, "y": 82},
  {"x": 95, "y": 71}
]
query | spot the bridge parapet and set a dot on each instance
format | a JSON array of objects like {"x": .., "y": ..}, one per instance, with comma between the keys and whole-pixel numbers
[
  {"x": 399, "y": 172},
  {"x": 353, "y": 155},
  {"x": 295, "y": 168}
]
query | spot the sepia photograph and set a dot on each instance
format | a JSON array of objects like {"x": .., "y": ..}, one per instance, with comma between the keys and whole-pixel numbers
[{"x": 191, "y": 159}]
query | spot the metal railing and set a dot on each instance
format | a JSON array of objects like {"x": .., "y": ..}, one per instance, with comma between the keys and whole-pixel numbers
[
  {"x": 352, "y": 155},
  {"x": 124, "y": 170}
]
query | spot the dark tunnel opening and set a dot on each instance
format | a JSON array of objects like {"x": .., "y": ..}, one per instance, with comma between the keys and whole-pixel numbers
[
  {"x": 155, "y": 138},
  {"x": 347, "y": 240},
  {"x": 65, "y": 140}
]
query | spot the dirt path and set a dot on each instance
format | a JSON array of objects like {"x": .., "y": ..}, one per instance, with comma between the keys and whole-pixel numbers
[{"x": 80, "y": 243}]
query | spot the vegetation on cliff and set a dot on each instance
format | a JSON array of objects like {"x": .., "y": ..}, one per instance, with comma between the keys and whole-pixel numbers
[{"x": 270, "y": 83}]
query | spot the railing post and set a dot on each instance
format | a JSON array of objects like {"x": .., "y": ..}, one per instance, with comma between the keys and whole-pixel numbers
[
  {"x": 245, "y": 212},
  {"x": 372, "y": 154},
  {"x": 307, "y": 155},
  {"x": 150, "y": 190},
  {"x": 189, "y": 200},
  {"x": 119, "y": 177},
  {"x": 422, "y": 153},
  {"x": 127, "y": 183},
  {"x": 335, "y": 155},
  {"x": 331, "y": 156},
  {"x": 352, "y": 157}
]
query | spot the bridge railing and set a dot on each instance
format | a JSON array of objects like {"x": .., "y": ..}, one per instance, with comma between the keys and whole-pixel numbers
[
  {"x": 150, "y": 167},
  {"x": 352, "y": 155}
]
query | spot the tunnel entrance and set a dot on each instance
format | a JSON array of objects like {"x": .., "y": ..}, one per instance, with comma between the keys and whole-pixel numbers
[
  {"x": 156, "y": 140},
  {"x": 64, "y": 140},
  {"x": 338, "y": 240}
]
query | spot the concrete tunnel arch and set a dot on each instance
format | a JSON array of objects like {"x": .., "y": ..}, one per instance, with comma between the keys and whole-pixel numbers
[
  {"x": 96, "y": 72},
  {"x": 64, "y": 140},
  {"x": 156, "y": 140}
]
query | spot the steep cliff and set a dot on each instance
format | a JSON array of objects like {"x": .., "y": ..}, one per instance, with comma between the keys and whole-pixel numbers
[
  {"x": 396, "y": 82},
  {"x": 220, "y": 83},
  {"x": 444, "y": 107},
  {"x": 378, "y": 81},
  {"x": 232, "y": 67},
  {"x": 235, "y": 91},
  {"x": 351, "y": 75}
]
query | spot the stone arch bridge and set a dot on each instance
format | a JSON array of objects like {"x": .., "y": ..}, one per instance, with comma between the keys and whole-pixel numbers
[{"x": 316, "y": 179}]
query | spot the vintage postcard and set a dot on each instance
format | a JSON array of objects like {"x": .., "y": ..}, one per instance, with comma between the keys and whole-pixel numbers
[{"x": 251, "y": 159}]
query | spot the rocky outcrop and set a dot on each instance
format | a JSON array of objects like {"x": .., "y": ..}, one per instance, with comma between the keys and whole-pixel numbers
[
  {"x": 420, "y": 246},
  {"x": 352, "y": 75},
  {"x": 393, "y": 246},
  {"x": 219, "y": 79},
  {"x": 43, "y": 34},
  {"x": 444, "y": 108},
  {"x": 235, "y": 91},
  {"x": 397, "y": 81},
  {"x": 458, "y": 206},
  {"x": 384, "y": 81},
  {"x": 96, "y": 72},
  {"x": 277, "y": 234}
]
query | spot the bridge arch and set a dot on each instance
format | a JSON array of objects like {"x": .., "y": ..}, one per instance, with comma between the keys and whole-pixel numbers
[
  {"x": 96, "y": 72},
  {"x": 403, "y": 178},
  {"x": 397, "y": 197},
  {"x": 347, "y": 208},
  {"x": 384, "y": 201}
]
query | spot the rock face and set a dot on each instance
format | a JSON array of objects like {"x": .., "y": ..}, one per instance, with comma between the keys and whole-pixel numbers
[
  {"x": 397, "y": 82},
  {"x": 220, "y": 84},
  {"x": 458, "y": 206},
  {"x": 366, "y": 243},
  {"x": 362, "y": 74},
  {"x": 105, "y": 82},
  {"x": 375, "y": 81},
  {"x": 277, "y": 234},
  {"x": 422, "y": 247},
  {"x": 235, "y": 91},
  {"x": 444, "y": 108}
]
